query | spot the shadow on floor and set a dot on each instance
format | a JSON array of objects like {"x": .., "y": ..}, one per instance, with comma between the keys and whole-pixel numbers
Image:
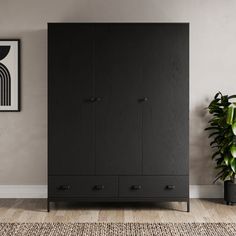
[
  {"x": 214, "y": 200},
  {"x": 40, "y": 205}
]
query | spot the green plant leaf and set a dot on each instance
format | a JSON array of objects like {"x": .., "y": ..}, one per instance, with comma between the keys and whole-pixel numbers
[
  {"x": 233, "y": 164},
  {"x": 222, "y": 127},
  {"x": 226, "y": 159},
  {"x": 233, "y": 150},
  {"x": 219, "y": 161},
  {"x": 234, "y": 127},
  {"x": 217, "y": 94},
  {"x": 219, "y": 174},
  {"x": 215, "y": 180},
  {"x": 224, "y": 101},
  {"x": 225, "y": 175},
  {"x": 221, "y": 166},
  {"x": 215, "y": 154},
  {"x": 230, "y": 116},
  {"x": 212, "y": 134},
  {"x": 232, "y": 96},
  {"x": 213, "y": 127},
  {"x": 213, "y": 142},
  {"x": 225, "y": 146}
]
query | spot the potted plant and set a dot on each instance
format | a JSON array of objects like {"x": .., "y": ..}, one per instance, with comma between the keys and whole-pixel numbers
[{"x": 222, "y": 127}]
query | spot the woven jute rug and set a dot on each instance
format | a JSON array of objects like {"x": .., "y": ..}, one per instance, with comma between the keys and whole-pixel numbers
[{"x": 121, "y": 229}]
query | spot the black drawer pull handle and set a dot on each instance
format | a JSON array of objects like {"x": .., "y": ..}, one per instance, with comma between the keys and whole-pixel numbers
[
  {"x": 94, "y": 99},
  {"x": 98, "y": 187},
  {"x": 136, "y": 187},
  {"x": 170, "y": 187},
  {"x": 64, "y": 187}
]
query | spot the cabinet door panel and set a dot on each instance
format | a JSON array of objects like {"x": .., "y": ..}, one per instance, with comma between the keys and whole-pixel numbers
[
  {"x": 165, "y": 115},
  {"x": 70, "y": 85},
  {"x": 118, "y": 114}
]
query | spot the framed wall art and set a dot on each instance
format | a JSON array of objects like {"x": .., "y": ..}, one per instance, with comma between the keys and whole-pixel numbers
[{"x": 9, "y": 75}]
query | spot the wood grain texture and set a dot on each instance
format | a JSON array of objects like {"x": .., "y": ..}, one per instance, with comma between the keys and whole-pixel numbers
[
  {"x": 34, "y": 210},
  {"x": 166, "y": 85},
  {"x": 118, "y": 116},
  {"x": 70, "y": 112},
  {"x": 118, "y": 106}
]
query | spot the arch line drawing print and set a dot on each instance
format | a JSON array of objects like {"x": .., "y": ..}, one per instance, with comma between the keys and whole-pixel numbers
[{"x": 9, "y": 75}]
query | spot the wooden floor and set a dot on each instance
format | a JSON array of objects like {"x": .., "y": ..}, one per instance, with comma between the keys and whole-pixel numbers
[{"x": 34, "y": 210}]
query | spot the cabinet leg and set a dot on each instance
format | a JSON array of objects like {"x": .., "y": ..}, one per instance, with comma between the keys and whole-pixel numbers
[
  {"x": 48, "y": 205},
  {"x": 188, "y": 205}
]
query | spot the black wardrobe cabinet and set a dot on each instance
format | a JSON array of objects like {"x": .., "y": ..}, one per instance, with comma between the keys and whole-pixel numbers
[{"x": 118, "y": 105}]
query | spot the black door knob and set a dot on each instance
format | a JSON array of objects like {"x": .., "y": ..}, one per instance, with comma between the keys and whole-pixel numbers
[
  {"x": 98, "y": 187},
  {"x": 91, "y": 99},
  {"x": 136, "y": 187},
  {"x": 170, "y": 187},
  {"x": 98, "y": 99},
  {"x": 144, "y": 99},
  {"x": 63, "y": 187}
]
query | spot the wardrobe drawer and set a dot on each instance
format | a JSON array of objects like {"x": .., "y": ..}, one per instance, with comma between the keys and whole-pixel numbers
[
  {"x": 153, "y": 186},
  {"x": 83, "y": 186}
]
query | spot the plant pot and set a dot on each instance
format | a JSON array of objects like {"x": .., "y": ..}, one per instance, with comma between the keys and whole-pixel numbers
[{"x": 230, "y": 192}]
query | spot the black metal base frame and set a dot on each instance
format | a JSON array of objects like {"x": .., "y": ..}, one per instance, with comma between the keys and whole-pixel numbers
[{"x": 120, "y": 200}]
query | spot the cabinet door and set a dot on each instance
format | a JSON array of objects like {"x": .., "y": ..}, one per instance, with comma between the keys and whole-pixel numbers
[
  {"x": 70, "y": 86},
  {"x": 118, "y": 112},
  {"x": 165, "y": 114}
]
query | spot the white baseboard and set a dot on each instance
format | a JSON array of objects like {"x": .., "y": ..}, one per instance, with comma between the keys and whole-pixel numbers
[
  {"x": 40, "y": 191},
  {"x": 206, "y": 191}
]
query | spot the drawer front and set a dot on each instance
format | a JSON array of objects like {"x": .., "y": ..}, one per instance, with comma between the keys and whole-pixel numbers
[
  {"x": 83, "y": 186},
  {"x": 153, "y": 186}
]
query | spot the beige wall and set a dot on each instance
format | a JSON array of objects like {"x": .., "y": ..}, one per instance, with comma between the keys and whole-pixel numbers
[{"x": 23, "y": 135}]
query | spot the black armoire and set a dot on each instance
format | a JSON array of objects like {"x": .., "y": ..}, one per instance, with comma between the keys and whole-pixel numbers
[{"x": 118, "y": 106}]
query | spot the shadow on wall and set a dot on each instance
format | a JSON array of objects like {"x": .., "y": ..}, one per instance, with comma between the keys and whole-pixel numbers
[{"x": 201, "y": 165}]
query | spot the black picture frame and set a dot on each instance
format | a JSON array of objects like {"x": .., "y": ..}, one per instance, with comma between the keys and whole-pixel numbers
[{"x": 17, "y": 107}]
